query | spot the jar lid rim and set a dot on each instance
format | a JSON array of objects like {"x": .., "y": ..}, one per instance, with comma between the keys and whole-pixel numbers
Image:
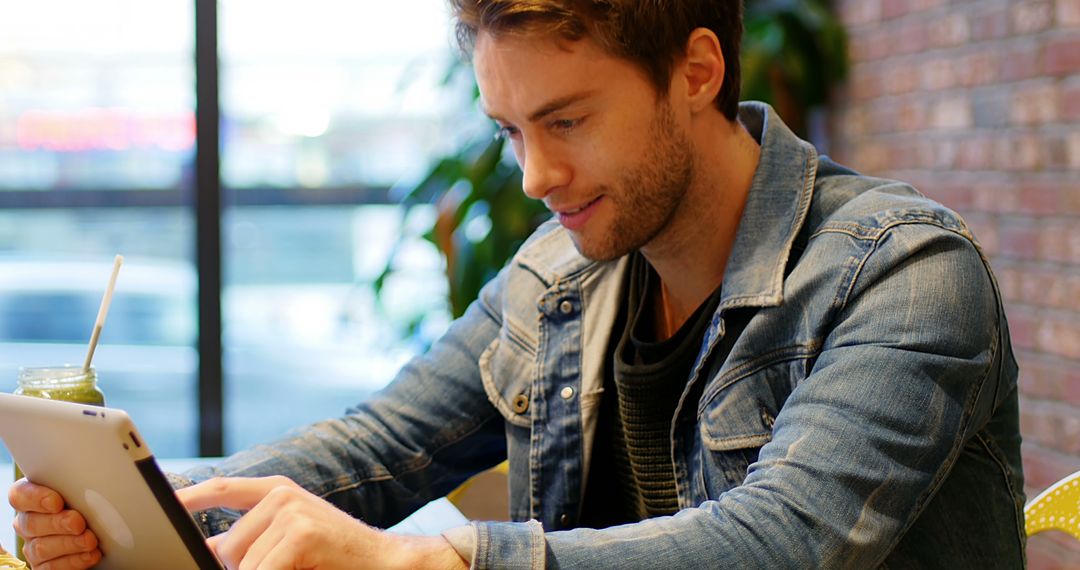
[{"x": 62, "y": 373}]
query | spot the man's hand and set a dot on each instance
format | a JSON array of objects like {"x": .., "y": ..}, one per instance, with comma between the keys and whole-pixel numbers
[
  {"x": 286, "y": 527},
  {"x": 56, "y": 538}
]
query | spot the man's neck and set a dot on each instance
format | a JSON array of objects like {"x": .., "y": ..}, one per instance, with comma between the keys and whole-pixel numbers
[{"x": 691, "y": 254}]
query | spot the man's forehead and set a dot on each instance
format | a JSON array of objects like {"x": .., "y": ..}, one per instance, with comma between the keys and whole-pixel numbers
[{"x": 539, "y": 73}]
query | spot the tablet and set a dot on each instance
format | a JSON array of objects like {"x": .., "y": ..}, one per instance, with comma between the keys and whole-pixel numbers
[{"x": 103, "y": 468}]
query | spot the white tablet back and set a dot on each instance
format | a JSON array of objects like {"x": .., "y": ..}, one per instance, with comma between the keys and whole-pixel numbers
[{"x": 98, "y": 461}]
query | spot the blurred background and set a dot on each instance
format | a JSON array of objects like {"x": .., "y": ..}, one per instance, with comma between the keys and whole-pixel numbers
[
  {"x": 324, "y": 107},
  {"x": 362, "y": 201}
]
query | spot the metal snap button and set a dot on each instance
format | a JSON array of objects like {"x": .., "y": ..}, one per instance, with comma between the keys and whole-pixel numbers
[
  {"x": 567, "y": 393},
  {"x": 566, "y": 307},
  {"x": 564, "y": 520},
  {"x": 521, "y": 404}
]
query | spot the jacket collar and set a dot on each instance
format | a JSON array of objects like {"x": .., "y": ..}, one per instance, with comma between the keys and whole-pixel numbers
[{"x": 775, "y": 210}]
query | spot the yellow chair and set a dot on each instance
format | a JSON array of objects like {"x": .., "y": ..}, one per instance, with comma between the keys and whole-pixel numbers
[
  {"x": 1056, "y": 508},
  {"x": 484, "y": 496}
]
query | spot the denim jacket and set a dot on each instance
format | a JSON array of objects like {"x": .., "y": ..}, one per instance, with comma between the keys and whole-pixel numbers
[{"x": 865, "y": 417}]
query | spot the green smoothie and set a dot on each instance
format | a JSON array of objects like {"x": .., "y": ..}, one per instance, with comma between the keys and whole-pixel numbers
[{"x": 67, "y": 383}]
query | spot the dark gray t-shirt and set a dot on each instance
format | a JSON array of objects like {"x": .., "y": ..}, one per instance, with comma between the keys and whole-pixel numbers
[{"x": 632, "y": 476}]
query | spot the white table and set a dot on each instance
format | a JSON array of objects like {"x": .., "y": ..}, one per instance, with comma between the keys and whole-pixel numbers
[{"x": 432, "y": 519}]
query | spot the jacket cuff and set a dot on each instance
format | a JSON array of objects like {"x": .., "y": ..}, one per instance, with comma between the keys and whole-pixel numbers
[
  {"x": 463, "y": 539},
  {"x": 509, "y": 545},
  {"x": 212, "y": 521}
]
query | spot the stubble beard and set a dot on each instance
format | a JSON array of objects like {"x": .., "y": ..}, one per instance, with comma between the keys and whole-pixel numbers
[{"x": 648, "y": 196}]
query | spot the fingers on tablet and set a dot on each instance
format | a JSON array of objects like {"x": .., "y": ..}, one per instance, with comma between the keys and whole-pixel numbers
[
  {"x": 33, "y": 525},
  {"x": 25, "y": 496},
  {"x": 54, "y": 547},
  {"x": 79, "y": 561}
]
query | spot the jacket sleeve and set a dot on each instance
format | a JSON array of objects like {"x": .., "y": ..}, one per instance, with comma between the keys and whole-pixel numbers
[
  {"x": 414, "y": 441},
  {"x": 907, "y": 371}
]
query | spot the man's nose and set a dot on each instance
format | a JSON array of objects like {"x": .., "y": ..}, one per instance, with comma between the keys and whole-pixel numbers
[{"x": 544, "y": 171}]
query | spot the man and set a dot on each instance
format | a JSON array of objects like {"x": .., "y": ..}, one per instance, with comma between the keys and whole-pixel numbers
[{"x": 725, "y": 351}]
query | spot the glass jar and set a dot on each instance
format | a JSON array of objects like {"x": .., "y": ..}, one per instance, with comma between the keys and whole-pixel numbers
[{"x": 69, "y": 383}]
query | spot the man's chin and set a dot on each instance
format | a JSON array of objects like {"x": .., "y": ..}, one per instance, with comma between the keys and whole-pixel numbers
[{"x": 594, "y": 251}]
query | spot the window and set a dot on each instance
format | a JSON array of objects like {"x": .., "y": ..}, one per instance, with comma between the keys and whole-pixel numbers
[
  {"x": 96, "y": 145},
  {"x": 326, "y": 108},
  {"x": 325, "y": 105}
]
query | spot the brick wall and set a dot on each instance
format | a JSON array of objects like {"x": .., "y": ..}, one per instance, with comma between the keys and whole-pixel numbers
[{"x": 977, "y": 102}]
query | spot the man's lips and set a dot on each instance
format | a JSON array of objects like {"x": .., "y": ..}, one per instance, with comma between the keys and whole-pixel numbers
[
  {"x": 575, "y": 217},
  {"x": 568, "y": 210}
]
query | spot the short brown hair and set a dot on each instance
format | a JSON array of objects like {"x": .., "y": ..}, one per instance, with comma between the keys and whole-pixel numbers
[{"x": 649, "y": 33}]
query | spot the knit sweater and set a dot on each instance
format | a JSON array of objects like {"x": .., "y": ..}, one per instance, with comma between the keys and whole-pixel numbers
[{"x": 632, "y": 476}]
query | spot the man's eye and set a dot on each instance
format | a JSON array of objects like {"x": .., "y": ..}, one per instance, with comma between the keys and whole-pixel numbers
[
  {"x": 565, "y": 125},
  {"x": 506, "y": 133}
]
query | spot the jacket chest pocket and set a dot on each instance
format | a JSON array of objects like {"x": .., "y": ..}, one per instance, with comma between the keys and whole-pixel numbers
[
  {"x": 733, "y": 424},
  {"x": 507, "y": 369}
]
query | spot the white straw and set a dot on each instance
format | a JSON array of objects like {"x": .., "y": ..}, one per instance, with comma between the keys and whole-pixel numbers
[{"x": 104, "y": 310}]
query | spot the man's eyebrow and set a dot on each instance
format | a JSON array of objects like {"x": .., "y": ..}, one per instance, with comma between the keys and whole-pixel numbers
[{"x": 548, "y": 108}]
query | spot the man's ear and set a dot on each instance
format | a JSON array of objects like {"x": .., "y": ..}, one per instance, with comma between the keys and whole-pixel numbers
[{"x": 702, "y": 68}]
